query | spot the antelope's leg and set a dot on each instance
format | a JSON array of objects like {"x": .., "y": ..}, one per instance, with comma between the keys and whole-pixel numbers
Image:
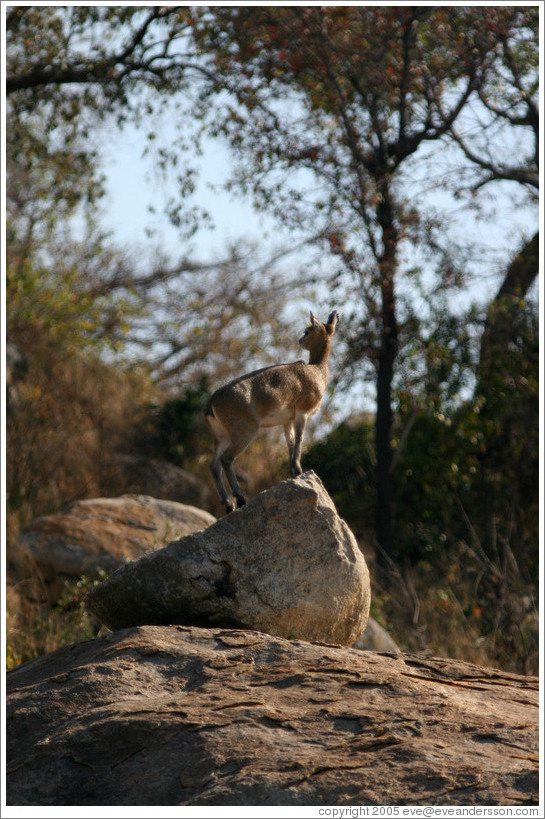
[
  {"x": 239, "y": 442},
  {"x": 216, "y": 467},
  {"x": 300, "y": 423},
  {"x": 289, "y": 432}
]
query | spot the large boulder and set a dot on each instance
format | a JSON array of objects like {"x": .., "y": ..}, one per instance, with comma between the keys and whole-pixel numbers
[
  {"x": 285, "y": 564},
  {"x": 186, "y": 716},
  {"x": 99, "y": 535}
]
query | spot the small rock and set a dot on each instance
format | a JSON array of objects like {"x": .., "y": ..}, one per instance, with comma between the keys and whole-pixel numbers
[
  {"x": 375, "y": 638},
  {"x": 285, "y": 564}
]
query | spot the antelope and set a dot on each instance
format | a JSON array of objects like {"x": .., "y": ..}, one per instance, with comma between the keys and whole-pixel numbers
[{"x": 281, "y": 395}]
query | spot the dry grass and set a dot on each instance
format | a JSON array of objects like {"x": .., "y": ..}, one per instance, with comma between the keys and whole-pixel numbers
[{"x": 435, "y": 611}]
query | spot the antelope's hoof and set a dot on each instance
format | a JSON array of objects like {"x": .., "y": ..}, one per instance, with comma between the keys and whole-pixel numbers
[
  {"x": 229, "y": 507},
  {"x": 241, "y": 501}
]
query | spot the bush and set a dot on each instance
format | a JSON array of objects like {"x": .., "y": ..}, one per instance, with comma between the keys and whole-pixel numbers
[
  {"x": 174, "y": 430},
  {"x": 345, "y": 462},
  {"x": 34, "y": 629}
]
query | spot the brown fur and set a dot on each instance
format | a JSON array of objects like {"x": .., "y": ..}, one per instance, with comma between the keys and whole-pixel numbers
[{"x": 281, "y": 395}]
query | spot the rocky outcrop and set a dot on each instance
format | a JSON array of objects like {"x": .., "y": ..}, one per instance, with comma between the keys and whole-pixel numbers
[
  {"x": 99, "y": 535},
  {"x": 285, "y": 564},
  {"x": 187, "y": 716}
]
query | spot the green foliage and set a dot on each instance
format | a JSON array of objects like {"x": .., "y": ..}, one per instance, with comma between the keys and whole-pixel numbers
[
  {"x": 37, "y": 629},
  {"x": 428, "y": 478},
  {"x": 66, "y": 297},
  {"x": 437, "y": 357},
  {"x": 345, "y": 461},
  {"x": 174, "y": 431}
]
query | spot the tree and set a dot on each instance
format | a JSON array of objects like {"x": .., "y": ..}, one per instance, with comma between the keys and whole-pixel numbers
[
  {"x": 215, "y": 319},
  {"x": 505, "y": 151},
  {"x": 104, "y": 53},
  {"x": 343, "y": 97},
  {"x": 508, "y": 98},
  {"x": 502, "y": 312},
  {"x": 68, "y": 70}
]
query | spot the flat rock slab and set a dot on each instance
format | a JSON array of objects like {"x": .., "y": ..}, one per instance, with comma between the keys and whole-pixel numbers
[
  {"x": 285, "y": 564},
  {"x": 188, "y": 716},
  {"x": 103, "y": 533}
]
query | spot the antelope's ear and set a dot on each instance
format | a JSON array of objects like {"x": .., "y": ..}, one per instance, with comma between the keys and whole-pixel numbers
[
  {"x": 313, "y": 319},
  {"x": 332, "y": 322}
]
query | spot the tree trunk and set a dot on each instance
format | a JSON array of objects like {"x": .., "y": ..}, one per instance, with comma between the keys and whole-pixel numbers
[
  {"x": 386, "y": 362},
  {"x": 519, "y": 277}
]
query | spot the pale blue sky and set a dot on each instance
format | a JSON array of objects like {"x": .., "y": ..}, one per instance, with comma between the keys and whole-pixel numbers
[{"x": 133, "y": 185}]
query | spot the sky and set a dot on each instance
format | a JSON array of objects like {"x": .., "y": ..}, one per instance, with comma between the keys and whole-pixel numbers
[{"x": 132, "y": 185}]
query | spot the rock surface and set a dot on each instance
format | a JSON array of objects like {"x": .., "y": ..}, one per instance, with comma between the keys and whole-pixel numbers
[
  {"x": 375, "y": 638},
  {"x": 187, "y": 716},
  {"x": 285, "y": 564},
  {"x": 134, "y": 474},
  {"x": 102, "y": 534}
]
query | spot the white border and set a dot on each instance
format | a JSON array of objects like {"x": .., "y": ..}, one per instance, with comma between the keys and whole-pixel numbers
[{"x": 195, "y": 811}]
